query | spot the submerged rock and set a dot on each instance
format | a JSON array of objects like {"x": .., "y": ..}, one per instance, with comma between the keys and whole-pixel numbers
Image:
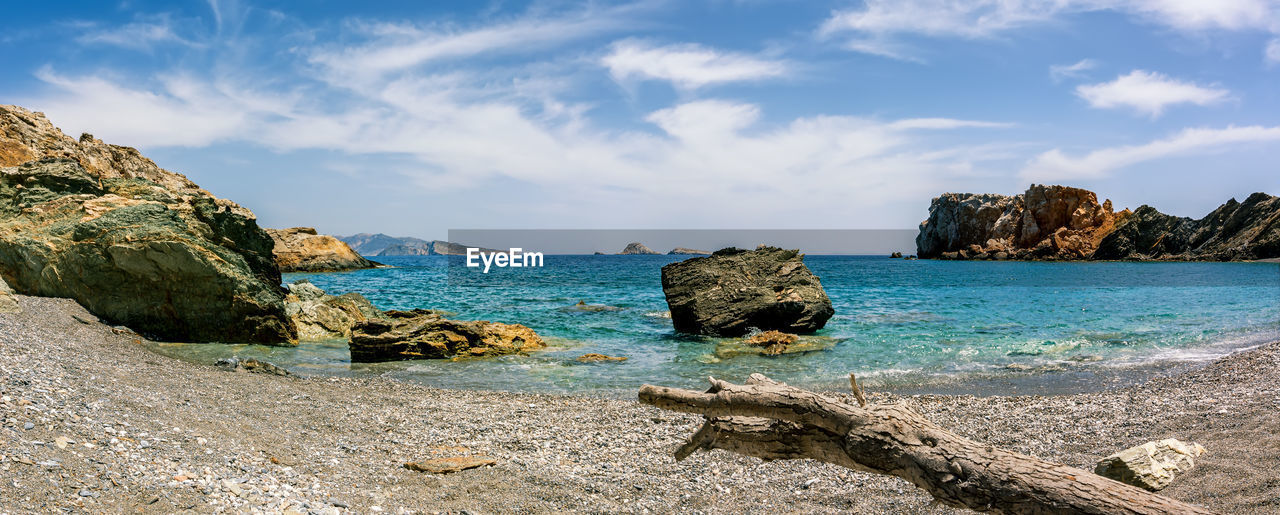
[
  {"x": 1152, "y": 465},
  {"x": 596, "y": 358},
  {"x": 733, "y": 291},
  {"x": 8, "y": 304},
  {"x": 637, "y": 248},
  {"x": 300, "y": 249},
  {"x": 320, "y": 316},
  {"x": 134, "y": 244},
  {"x": 251, "y": 365},
  {"x": 583, "y": 306},
  {"x": 424, "y": 334},
  {"x": 773, "y": 342}
]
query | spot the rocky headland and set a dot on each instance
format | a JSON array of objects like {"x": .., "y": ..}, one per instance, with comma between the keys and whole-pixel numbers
[
  {"x": 1065, "y": 223},
  {"x": 135, "y": 244},
  {"x": 684, "y": 251},
  {"x": 301, "y": 249},
  {"x": 733, "y": 291}
]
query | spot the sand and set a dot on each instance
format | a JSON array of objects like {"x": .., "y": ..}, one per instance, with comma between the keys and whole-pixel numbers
[{"x": 90, "y": 420}]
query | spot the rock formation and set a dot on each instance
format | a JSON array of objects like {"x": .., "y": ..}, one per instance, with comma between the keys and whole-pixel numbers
[
  {"x": 1234, "y": 231},
  {"x": 682, "y": 251},
  {"x": 1059, "y": 222},
  {"x": 636, "y": 248},
  {"x": 1152, "y": 465},
  {"x": 323, "y": 317},
  {"x": 424, "y": 334},
  {"x": 734, "y": 290},
  {"x": 134, "y": 244},
  {"x": 8, "y": 304},
  {"x": 1045, "y": 222},
  {"x": 300, "y": 249},
  {"x": 406, "y": 250}
]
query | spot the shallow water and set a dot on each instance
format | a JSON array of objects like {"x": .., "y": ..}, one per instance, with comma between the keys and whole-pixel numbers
[{"x": 898, "y": 324}]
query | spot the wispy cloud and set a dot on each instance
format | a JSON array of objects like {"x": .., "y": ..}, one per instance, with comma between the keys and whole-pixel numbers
[
  {"x": 402, "y": 47},
  {"x": 884, "y": 21},
  {"x": 1060, "y": 72},
  {"x": 1054, "y": 165},
  {"x": 687, "y": 66},
  {"x": 1148, "y": 93},
  {"x": 139, "y": 35},
  {"x": 1272, "y": 54}
]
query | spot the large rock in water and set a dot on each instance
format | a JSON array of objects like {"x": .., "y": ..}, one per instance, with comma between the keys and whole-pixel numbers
[
  {"x": 425, "y": 334},
  {"x": 1045, "y": 222},
  {"x": 1152, "y": 465},
  {"x": 734, "y": 290},
  {"x": 300, "y": 249},
  {"x": 1234, "y": 231},
  {"x": 322, "y": 317},
  {"x": 133, "y": 243}
]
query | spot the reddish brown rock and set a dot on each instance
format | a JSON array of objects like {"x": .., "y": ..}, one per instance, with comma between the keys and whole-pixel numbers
[
  {"x": 1045, "y": 222},
  {"x": 300, "y": 249},
  {"x": 424, "y": 334}
]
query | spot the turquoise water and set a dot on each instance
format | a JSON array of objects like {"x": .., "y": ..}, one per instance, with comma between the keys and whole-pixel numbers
[{"x": 897, "y": 322}]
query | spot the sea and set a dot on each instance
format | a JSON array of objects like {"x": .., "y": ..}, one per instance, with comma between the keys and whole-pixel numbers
[{"x": 916, "y": 326}]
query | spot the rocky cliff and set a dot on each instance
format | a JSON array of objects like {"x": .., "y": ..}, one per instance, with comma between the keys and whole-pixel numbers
[
  {"x": 1234, "y": 231},
  {"x": 300, "y": 249},
  {"x": 135, "y": 244},
  {"x": 1045, "y": 222},
  {"x": 1059, "y": 222}
]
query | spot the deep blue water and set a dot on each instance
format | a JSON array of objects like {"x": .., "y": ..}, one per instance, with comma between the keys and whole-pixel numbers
[{"x": 897, "y": 322}]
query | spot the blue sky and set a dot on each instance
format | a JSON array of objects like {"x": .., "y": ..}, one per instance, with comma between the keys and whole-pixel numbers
[{"x": 412, "y": 118}]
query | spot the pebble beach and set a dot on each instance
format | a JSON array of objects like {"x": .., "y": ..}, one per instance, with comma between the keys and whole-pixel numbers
[{"x": 91, "y": 421}]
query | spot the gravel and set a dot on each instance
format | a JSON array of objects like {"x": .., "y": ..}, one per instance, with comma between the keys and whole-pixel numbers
[{"x": 90, "y": 420}]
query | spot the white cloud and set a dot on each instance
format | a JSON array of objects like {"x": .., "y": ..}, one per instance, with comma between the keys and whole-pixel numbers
[
  {"x": 1148, "y": 93},
  {"x": 401, "y": 47},
  {"x": 1058, "y": 72},
  {"x": 1273, "y": 51},
  {"x": 688, "y": 66},
  {"x": 946, "y": 123},
  {"x": 137, "y": 35},
  {"x": 1054, "y": 165},
  {"x": 883, "y": 20}
]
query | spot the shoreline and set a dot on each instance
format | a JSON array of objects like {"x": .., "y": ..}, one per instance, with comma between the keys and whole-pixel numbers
[{"x": 169, "y": 435}]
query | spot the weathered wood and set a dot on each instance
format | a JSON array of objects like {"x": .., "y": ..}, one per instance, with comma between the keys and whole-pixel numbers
[{"x": 774, "y": 421}]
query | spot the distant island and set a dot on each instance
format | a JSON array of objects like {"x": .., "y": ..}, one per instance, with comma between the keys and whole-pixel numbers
[
  {"x": 636, "y": 248},
  {"x": 680, "y": 251}
]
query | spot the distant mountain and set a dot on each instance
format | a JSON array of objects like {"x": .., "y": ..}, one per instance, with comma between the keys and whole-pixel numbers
[
  {"x": 430, "y": 248},
  {"x": 382, "y": 245},
  {"x": 373, "y": 244}
]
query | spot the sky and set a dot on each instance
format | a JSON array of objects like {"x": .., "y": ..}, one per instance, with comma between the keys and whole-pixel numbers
[{"x": 414, "y": 118}]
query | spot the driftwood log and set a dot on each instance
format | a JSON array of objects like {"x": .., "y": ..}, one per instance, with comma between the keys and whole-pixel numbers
[{"x": 774, "y": 421}]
